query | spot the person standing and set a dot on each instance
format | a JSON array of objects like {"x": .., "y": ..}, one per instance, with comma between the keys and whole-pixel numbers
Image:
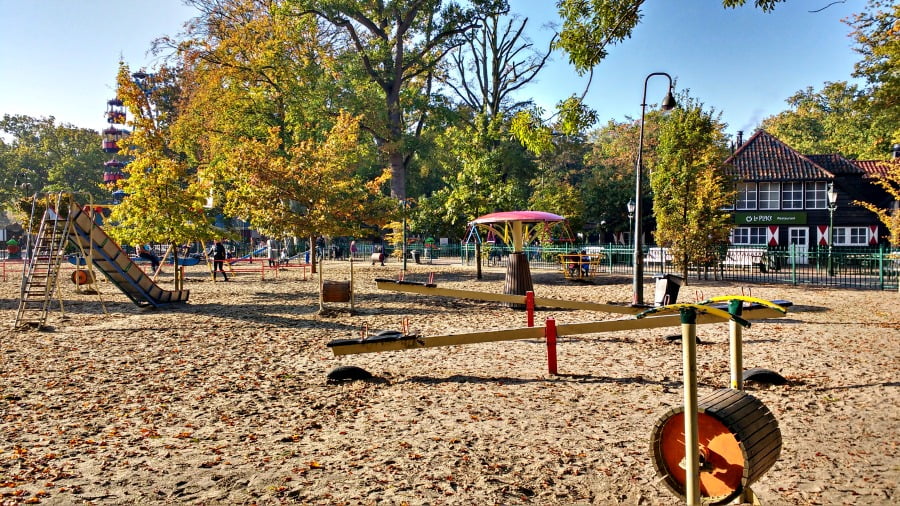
[
  {"x": 219, "y": 259},
  {"x": 272, "y": 246}
]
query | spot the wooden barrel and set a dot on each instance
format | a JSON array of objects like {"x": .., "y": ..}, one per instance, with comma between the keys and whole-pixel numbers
[
  {"x": 518, "y": 277},
  {"x": 81, "y": 277},
  {"x": 336, "y": 291},
  {"x": 739, "y": 441}
]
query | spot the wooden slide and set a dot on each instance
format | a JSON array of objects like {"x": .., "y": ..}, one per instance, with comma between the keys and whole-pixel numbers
[{"x": 116, "y": 265}]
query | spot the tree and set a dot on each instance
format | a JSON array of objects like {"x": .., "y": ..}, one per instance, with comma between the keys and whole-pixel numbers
[
  {"x": 478, "y": 185},
  {"x": 265, "y": 123},
  {"x": 496, "y": 61},
  {"x": 877, "y": 35},
  {"x": 397, "y": 46},
  {"x": 890, "y": 217},
  {"x": 42, "y": 156},
  {"x": 689, "y": 186},
  {"x": 164, "y": 202},
  {"x": 838, "y": 119}
]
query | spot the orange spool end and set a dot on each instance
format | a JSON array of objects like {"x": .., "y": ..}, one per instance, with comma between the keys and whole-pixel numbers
[
  {"x": 739, "y": 441},
  {"x": 81, "y": 277}
]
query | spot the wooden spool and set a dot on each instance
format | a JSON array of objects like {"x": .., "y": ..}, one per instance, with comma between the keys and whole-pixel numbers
[
  {"x": 336, "y": 291},
  {"x": 82, "y": 277},
  {"x": 739, "y": 441},
  {"x": 518, "y": 277}
]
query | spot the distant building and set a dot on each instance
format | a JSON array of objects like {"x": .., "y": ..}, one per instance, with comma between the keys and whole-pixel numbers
[{"x": 782, "y": 196}]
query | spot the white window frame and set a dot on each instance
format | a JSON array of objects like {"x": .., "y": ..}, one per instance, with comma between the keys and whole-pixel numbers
[
  {"x": 749, "y": 236},
  {"x": 769, "y": 196},
  {"x": 815, "y": 196},
  {"x": 746, "y": 197},
  {"x": 792, "y": 195},
  {"x": 851, "y": 236}
]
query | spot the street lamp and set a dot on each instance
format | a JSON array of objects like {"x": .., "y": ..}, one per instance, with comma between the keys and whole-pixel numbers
[
  {"x": 832, "y": 205},
  {"x": 668, "y": 103},
  {"x": 630, "y": 207}
]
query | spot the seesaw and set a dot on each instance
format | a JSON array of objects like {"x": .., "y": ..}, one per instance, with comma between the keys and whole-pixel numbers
[
  {"x": 432, "y": 289},
  {"x": 727, "y": 440}
]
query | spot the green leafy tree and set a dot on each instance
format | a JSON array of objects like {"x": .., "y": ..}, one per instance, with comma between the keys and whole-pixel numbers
[
  {"x": 393, "y": 49},
  {"x": 689, "y": 186},
  {"x": 164, "y": 202},
  {"x": 41, "y": 156},
  {"x": 610, "y": 179},
  {"x": 876, "y": 32},
  {"x": 838, "y": 119},
  {"x": 479, "y": 184},
  {"x": 264, "y": 122}
]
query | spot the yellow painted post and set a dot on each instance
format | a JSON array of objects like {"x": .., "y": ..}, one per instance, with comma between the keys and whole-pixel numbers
[
  {"x": 691, "y": 432},
  {"x": 517, "y": 237}
]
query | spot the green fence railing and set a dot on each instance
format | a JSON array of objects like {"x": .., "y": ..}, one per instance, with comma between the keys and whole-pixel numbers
[{"x": 871, "y": 268}]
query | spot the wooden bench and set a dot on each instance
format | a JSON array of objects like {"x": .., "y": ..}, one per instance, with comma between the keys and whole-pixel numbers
[{"x": 745, "y": 257}]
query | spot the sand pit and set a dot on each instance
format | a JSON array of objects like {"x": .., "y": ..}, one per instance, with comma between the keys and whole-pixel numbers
[{"x": 225, "y": 400}]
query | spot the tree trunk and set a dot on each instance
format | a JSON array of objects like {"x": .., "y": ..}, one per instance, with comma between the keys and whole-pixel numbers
[
  {"x": 312, "y": 254},
  {"x": 478, "y": 274}
]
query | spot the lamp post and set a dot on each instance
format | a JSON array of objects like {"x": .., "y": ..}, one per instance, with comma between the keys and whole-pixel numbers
[
  {"x": 630, "y": 207},
  {"x": 832, "y": 205},
  {"x": 668, "y": 103},
  {"x": 403, "y": 246}
]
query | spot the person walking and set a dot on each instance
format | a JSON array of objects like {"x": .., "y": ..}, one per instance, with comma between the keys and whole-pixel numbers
[{"x": 219, "y": 259}]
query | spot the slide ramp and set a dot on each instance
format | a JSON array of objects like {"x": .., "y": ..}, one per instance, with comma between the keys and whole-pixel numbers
[{"x": 110, "y": 259}]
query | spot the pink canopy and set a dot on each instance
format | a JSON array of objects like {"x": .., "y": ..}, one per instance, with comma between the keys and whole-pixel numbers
[
  {"x": 521, "y": 216},
  {"x": 516, "y": 228}
]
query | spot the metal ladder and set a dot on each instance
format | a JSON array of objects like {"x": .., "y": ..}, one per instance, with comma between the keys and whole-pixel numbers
[{"x": 41, "y": 270}]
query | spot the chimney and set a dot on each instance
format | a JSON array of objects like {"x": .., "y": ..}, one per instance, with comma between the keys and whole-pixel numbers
[
  {"x": 740, "y": 139},
  {"x": 896, "y": 151}
]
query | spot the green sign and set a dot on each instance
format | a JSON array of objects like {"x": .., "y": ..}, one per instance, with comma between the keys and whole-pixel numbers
[{"x": 772, "y": 218}]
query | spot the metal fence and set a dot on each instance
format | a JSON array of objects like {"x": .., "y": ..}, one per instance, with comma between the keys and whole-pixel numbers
[{"x": 872, "y": 268}]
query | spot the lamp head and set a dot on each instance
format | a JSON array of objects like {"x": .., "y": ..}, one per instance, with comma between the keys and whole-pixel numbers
[
  {"x": 832, "y": 195},
  {"x": 630, "y": 205},
  {"x": 669, "y": 102}
]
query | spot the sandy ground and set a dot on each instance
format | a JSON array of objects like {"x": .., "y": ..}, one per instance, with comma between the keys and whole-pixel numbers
[{"x": 225, "y": 400}]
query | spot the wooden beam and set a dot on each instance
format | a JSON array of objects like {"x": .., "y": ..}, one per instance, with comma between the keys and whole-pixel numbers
[
  {"x": 416, "y": 342},
  {"x": 422, "y": 289}
]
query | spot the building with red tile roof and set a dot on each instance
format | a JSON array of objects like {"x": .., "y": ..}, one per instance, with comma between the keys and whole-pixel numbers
[{"x": 783, "y": 196}]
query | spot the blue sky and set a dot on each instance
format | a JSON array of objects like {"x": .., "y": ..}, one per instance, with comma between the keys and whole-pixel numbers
[{"x": 59, "y": 57}]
